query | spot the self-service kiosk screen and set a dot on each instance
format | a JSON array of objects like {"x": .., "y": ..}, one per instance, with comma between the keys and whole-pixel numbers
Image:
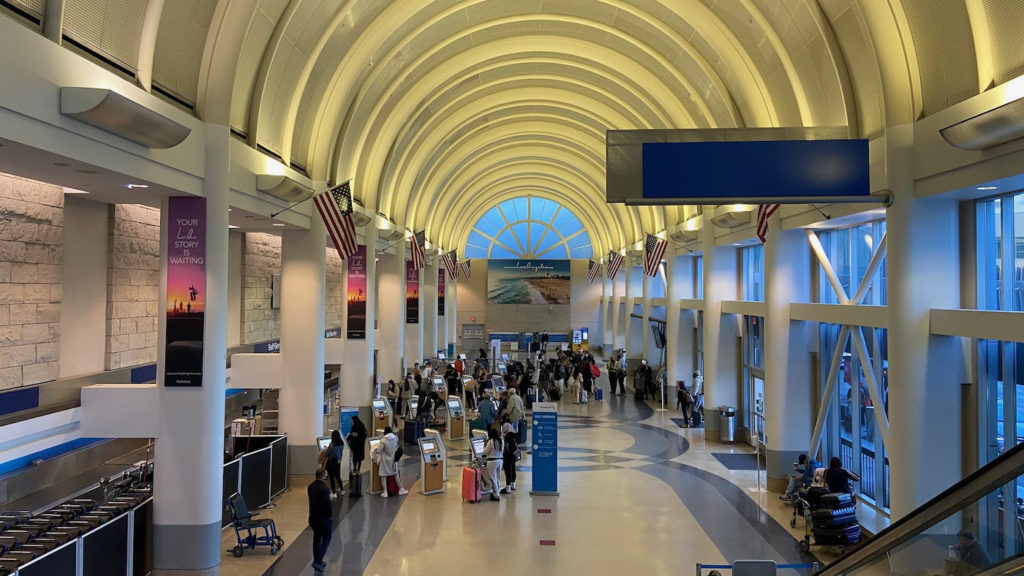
[
  {"x": 453, "y": 405},
  {"x": 441, "y": 356},
  {"x": 502, "y": 369},
  {"x": 323, "y": 442},
  {"x": 428, "y": 446},
  {"x": 379, "y": 405},
  {"x": 504, "y": 357},
  {"x": 478, "y": 446},
  {"x": 438, "y": 382},
  {"x": 497, "y": 382},
  {"x": 374, "y": 442}
]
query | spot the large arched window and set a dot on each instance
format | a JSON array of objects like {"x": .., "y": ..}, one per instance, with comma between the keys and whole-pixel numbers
[{"x": 528, "y": 228}]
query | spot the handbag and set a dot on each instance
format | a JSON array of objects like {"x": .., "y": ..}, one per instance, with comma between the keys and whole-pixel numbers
[
  {"x": 399, "y": 453},
  {"x": 518, "y": 456}
]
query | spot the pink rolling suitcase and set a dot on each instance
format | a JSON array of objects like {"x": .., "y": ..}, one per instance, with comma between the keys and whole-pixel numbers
[{"x": 471, "y": 484}]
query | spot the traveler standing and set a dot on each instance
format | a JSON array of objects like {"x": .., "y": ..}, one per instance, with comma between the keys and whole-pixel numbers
[
  {"x": 488, "y": 410},
  {"x": 357, "y": 443},
  {"x": 622, "y": 372},
  {"x": 493, "y": 452},
  {"x": 321, "y": 518},
  {"x": 508, "y": 457},
  {"x": 334, "y": 453},
  {"x": 388, "y": 465},
  {"x": 514, "y": 409}
]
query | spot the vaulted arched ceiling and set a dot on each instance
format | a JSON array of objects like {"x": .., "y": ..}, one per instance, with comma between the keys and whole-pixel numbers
[{"x": 440, "y": 109}]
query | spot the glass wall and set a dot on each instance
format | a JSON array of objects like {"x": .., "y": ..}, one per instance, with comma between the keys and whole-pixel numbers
[
  {"x": 849, "y": 251},
  {"x": 1000, "y": 218},
  {"x": 752, "y": 273},
  {"x": 852, "y": 428},
  {"x": 752, "y": 412}
]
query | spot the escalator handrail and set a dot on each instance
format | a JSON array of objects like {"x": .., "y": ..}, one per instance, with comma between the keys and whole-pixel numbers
[{"x": 982, "y": 482}]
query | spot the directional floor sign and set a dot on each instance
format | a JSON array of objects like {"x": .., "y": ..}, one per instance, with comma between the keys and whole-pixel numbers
[{"x": 545, "y": 448}]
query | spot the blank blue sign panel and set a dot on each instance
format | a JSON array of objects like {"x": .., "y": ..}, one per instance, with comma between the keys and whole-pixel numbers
[{"x": 768, "y": 169}]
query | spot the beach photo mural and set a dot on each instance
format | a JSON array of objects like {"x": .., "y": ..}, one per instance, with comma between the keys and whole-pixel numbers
[{"x": 528, "y": 282}]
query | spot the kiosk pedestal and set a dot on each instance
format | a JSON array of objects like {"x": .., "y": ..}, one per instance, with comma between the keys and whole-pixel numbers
[
  {"x": 442, "y": 450},
  {"x": 432, "y": 466},
  {"x": 456, "y": 418},
  {"x": 375, "y": 484}
]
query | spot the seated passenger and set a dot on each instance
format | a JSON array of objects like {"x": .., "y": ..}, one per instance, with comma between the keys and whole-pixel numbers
[
  {"x": 838, "y": 478},
  {"x": 973, "y": 558},
  {"x": 796, "y": 478}
]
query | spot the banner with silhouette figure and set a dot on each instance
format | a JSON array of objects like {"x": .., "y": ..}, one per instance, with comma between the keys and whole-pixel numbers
[
  {"x": 412, "y": 293},
  {"x": 357, "y": 295},
  {"x": 186, "y": 291}
]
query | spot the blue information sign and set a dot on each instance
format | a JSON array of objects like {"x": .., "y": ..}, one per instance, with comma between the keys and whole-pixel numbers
[{"x": 545, "y": 448}]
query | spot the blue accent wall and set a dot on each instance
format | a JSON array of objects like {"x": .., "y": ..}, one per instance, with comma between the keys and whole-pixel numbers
[
  {"x": 144, "y": 374},
  {"x": 64, "y": 448},
  {"x": 18, "y": 400}
]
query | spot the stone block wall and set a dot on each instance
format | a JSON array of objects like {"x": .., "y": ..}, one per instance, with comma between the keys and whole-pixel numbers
[
  {"x": 133, "y": 279},
  {"x": 31, "y": 248},
  {"x": 261, "y": 259},
  {"x": 335, "y": 299}
]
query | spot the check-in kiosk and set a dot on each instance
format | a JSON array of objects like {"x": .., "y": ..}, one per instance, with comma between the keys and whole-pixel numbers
[
  {"x": 456, "y": 418},
  {"x": 413, "y": 406},
  {"x": 476, "y": 444},
  {"x": 375, "y": 484},
  {"x": 438, "y": 383},
  {"x": 502, "y": 369},
  {"x": 436, "y": 435},
  {"x": 322, "y": 443},
  {"x": 498, "y": 383},
  {"x": 432, "y": 465},
  {"x": 381, "y": 413}
]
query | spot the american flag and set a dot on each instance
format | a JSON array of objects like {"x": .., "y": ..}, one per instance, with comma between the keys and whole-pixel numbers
[
  {"x": 764, "y": 212},
  {"x": 335, "y": 207},
  {"x": 419, "y": 258},
  {"x": 464, "y": 268},
  {"x": 614, "y": 261},
  {"x": 593, "y": 271},
  {"x": 450, "y": 260},
  {"x": 654, "y": 251}
]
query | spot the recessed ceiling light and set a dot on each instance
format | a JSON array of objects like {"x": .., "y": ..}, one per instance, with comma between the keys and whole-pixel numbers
[
  {"x": 278, "y": 224},
  {"x": 130, "y": 186},
  {"x": 987, "y": 188},
  {"x": 232, "y": 227}
]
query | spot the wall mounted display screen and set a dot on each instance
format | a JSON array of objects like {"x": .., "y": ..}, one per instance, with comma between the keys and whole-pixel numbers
[{"x": 545, "y": 282}]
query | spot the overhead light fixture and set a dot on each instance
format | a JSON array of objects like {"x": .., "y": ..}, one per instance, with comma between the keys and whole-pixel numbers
[
  {"x": 987, "y": 188},
  {"x": 132, "y": 186},
  {"x": 283, "y": 187},
  {"x": 74, "y": 191},
  {"x": 732, "y": 215},
  {"x": 232, "y": 227},
  {"x": 279, "y": 224},
  {"x": 997, "y": 126},
  {"x": 121, "y": 116}
]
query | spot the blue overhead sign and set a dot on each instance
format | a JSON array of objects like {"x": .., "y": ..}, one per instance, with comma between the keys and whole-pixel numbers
[{"x": 803, "y": 169}]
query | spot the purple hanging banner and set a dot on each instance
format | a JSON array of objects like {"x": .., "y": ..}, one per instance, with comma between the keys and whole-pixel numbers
[
  {"x": 412, "y": 294},
  {"x": 356, "y": 329},
  {"x": 186, "y": 291},
  {"x": 440, "y": 290}
]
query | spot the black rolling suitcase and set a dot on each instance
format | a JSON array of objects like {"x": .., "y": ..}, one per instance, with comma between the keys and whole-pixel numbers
[
  {"x": 837, "y": 500},
  {"x": 554, "y": 394},
  {"x": 839, "y": 536},
  {"x": 412, "y": 431},
  {"x": 521, "y": 438},
  {"x": 355, "y": 484}
]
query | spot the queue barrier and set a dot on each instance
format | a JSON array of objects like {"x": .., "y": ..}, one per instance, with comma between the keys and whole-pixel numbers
[
  {"x": 796, "y": 569},
  {"x": 259, "y": 475},
  {"x": 118, "y": 547}
]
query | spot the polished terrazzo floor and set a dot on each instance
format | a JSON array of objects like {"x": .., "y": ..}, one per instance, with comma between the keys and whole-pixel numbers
[{"x": 637, "y": 494}]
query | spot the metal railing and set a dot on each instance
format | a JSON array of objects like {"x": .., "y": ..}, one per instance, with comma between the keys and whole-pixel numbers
[{"x": 868, "y": 485}]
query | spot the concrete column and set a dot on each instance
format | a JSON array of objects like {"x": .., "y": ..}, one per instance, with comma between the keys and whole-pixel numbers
[
  {"x": 635, "y": 329},
  {"x": 303, "y": 293},
  {"x": 678, "y": 341},
  {"x": 787, "y": 362},
  {"x": 391, "y": 279},
  {"x": 607, "y": 333},
  {"x": 618, "y": 295},
  {"x": 428, "y": 305},
  {"x": 721, "y": 376},
  {"x": 357, "y": 383},
  {"x": 645, "y": 310},
  {"x": 190, "y": 443},
  {"x": 451, "y": 306},
  {"x": 925, "y": 371}
]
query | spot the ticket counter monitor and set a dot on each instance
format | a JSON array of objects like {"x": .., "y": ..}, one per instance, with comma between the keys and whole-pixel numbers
[
  {"x": 432, "y": 465},
  {"x": 375, "y": 484},
  {"x": 436, "y": 436},
  {"x": 381, "y": 413},
  {"x": 437, "y": 384},
  {"x": 456, "y": 418}
]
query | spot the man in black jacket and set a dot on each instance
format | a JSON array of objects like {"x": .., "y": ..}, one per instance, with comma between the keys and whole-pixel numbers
[{"x": 321, "y": 517}]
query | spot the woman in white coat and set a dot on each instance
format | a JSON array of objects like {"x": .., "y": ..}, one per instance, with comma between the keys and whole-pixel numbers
[
  {"x": 388, "y": 466},
  {"x": 493, "y": 452}
]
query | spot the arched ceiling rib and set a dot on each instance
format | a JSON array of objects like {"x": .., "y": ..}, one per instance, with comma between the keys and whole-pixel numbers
[{"x": 432, "y": 103}]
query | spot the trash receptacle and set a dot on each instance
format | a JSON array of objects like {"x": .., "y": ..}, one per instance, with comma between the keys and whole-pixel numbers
[{"x": 727, "y": 424}]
